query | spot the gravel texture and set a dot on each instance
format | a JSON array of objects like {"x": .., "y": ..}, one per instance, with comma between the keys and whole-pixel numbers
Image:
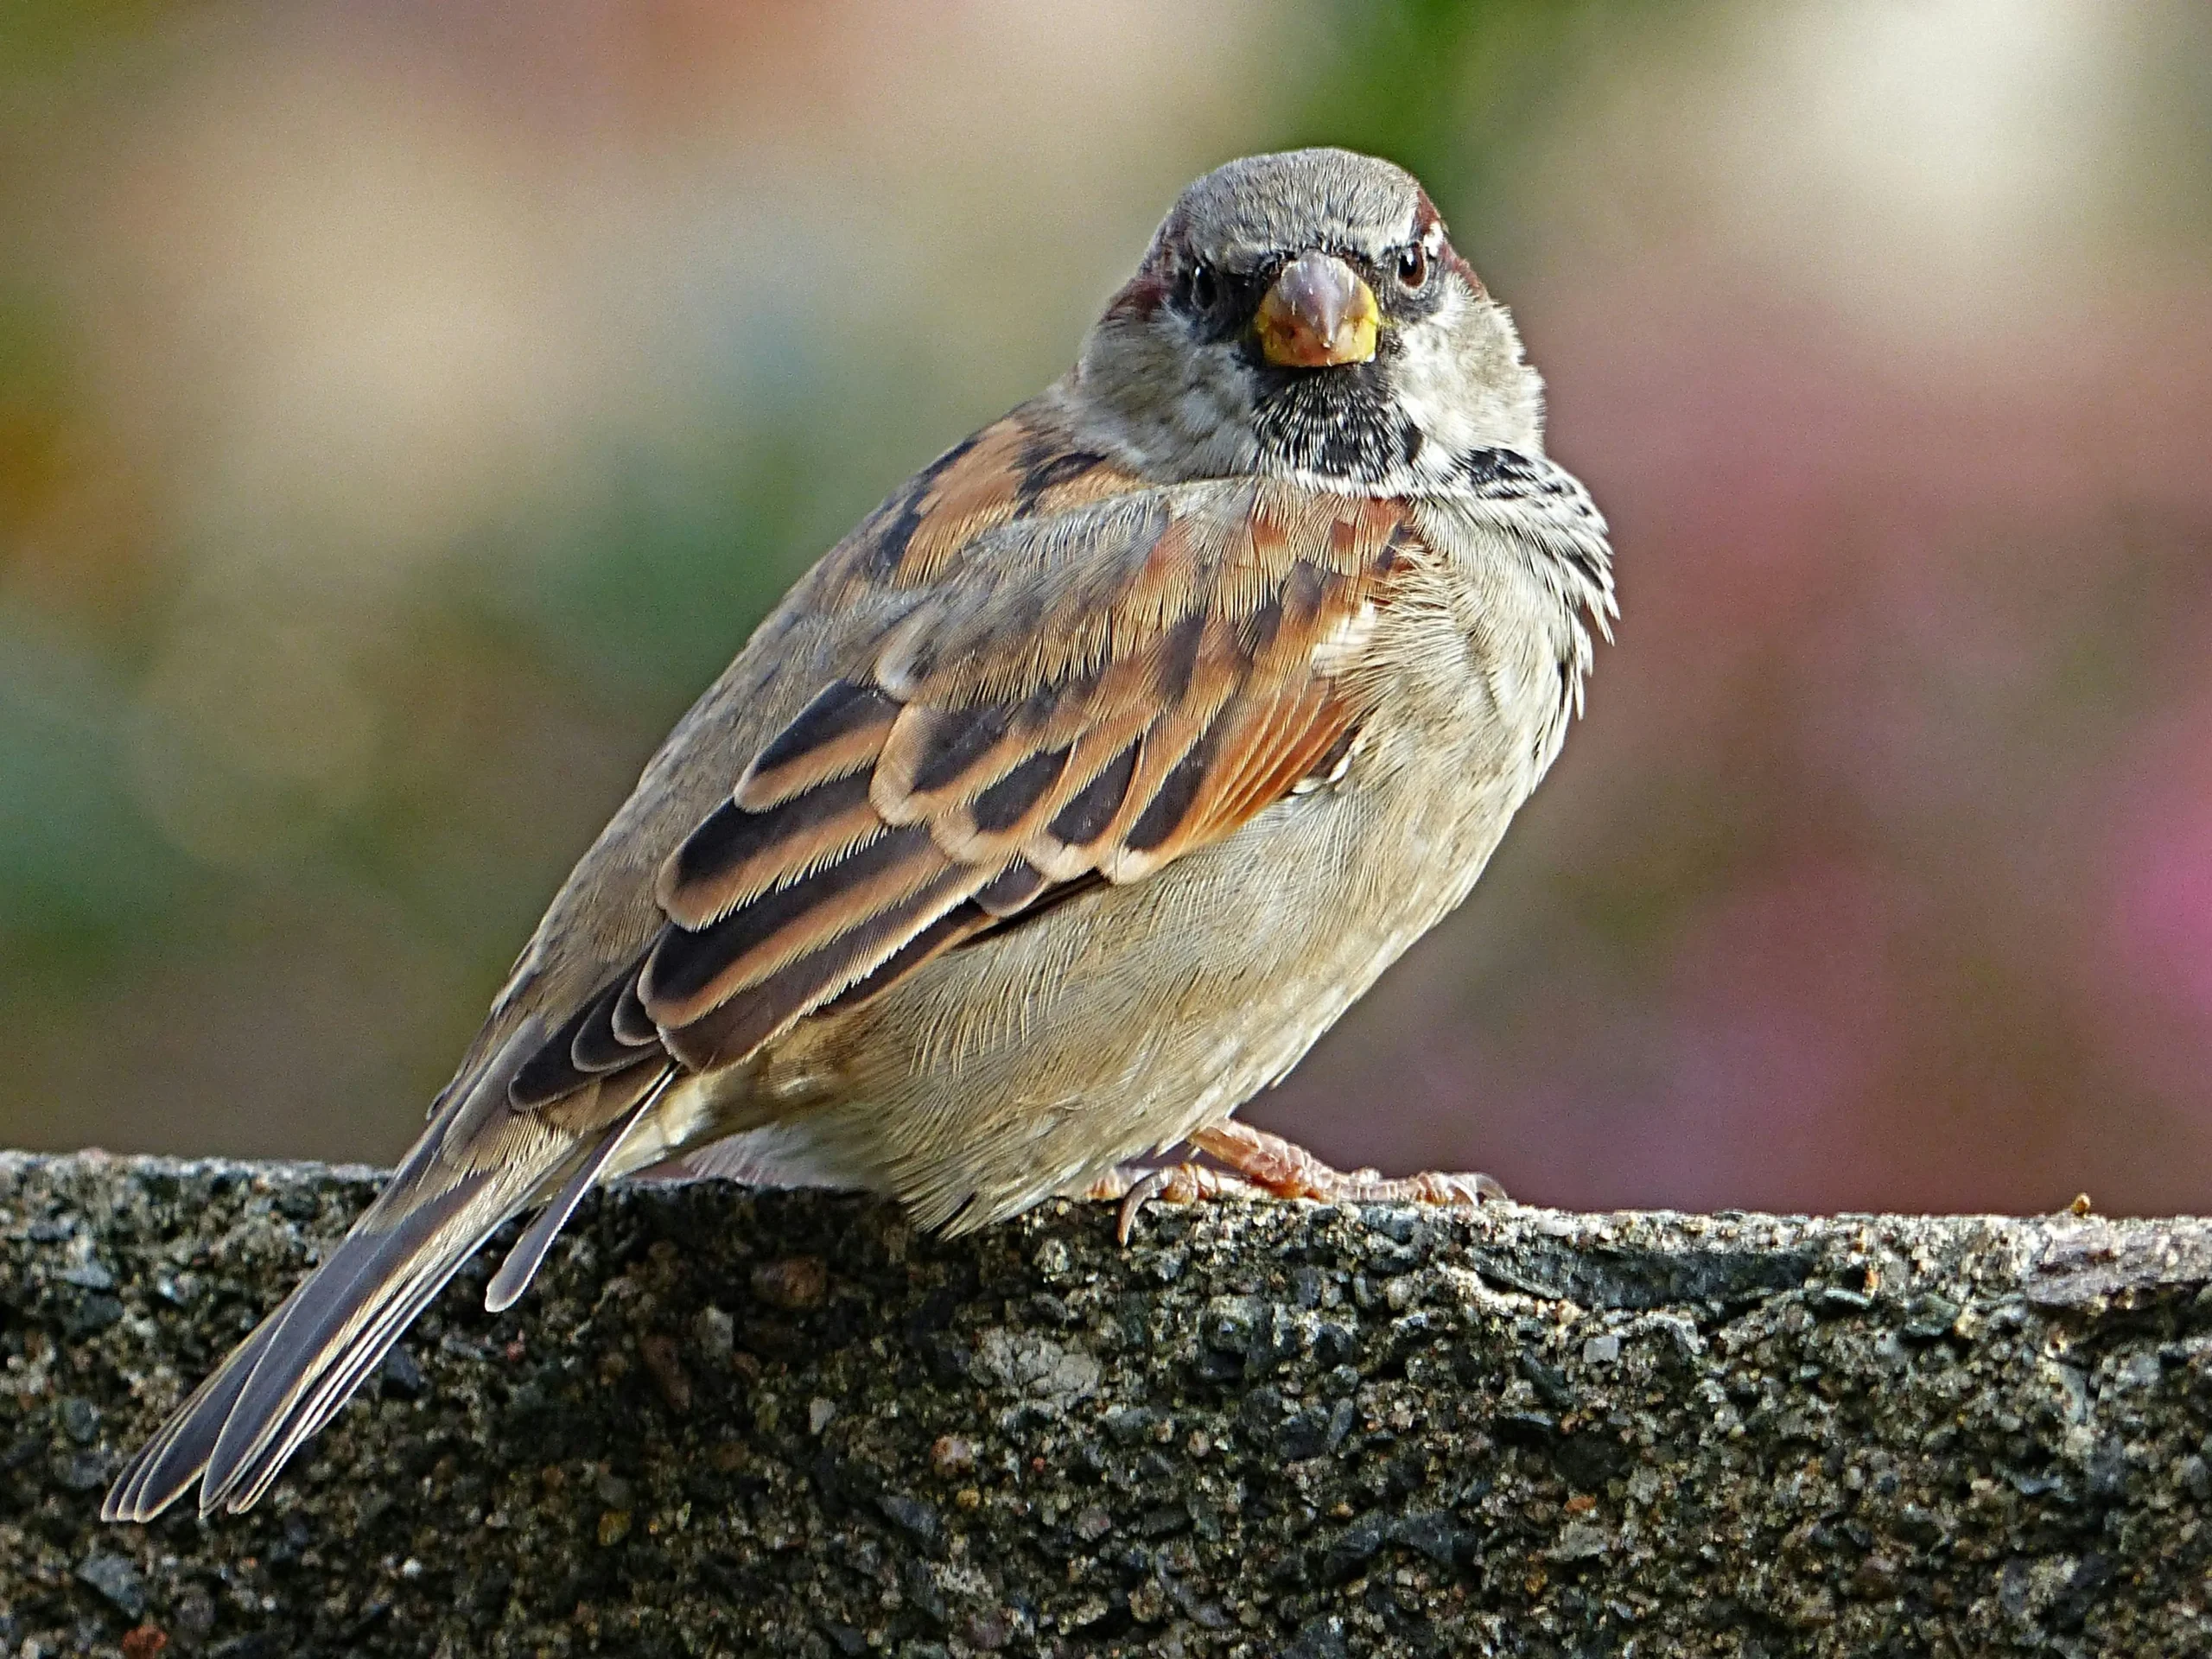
[{"x": 732, "y": 1422}]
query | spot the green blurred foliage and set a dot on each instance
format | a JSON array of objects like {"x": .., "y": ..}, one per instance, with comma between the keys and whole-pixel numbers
[{"x": 1451, "y": 89}]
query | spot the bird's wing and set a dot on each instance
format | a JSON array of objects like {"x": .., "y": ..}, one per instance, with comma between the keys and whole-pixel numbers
[
  {"x": 1026, "y": 671},
  {"x": 1080, "y": 697}
]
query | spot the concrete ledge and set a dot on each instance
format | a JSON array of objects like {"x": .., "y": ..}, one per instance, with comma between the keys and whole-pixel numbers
[{"x": 732, "y": 1422}]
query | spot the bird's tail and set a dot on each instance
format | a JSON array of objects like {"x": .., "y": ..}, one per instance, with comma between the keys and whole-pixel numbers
[{"x": 478, "y": 1164}]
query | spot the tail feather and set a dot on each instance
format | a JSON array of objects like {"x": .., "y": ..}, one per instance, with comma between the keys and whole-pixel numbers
[
  {"x": 477, "y": 1165},
  {"x": 301, "y": 1363},
  {"x": 235, "y": 1424},
  {"x": 334, "y": 1328},
  {"x": 166, "y": 1466},
  {"x": 529, "y": 1253}
]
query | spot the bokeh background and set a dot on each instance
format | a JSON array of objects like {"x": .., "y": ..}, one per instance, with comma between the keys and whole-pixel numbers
[{"x": 405, "y": 409}]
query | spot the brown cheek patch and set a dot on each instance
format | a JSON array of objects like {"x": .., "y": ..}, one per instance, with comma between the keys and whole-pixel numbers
[
  {"x": 1140, "y": 297},
  {"x": 1454, "y": 262},
  {"x": 1426, "y": 217}
]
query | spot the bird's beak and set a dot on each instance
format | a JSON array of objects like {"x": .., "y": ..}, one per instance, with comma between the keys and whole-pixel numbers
[{"x": 1319, "y": 313}]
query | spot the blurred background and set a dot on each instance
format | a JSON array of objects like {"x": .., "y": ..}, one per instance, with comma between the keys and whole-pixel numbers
[{"x": 405, "y": 409}]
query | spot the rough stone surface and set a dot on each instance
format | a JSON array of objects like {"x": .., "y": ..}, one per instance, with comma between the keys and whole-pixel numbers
[{"x": 730, "y": 1422}]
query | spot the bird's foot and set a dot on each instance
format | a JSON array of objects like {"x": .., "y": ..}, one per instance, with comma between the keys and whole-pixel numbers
[
  {"x": 1260, "y": 1163},
  {"x": 1286, "y": 1170}
]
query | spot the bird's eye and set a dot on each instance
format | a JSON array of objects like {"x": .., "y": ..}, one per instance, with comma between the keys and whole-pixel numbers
[
  {"x": 1204, "y": 286},
  {"x": 1413, "y": 264}
]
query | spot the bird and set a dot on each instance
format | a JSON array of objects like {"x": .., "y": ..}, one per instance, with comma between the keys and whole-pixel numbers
[{"x": 1057, "y": 810}]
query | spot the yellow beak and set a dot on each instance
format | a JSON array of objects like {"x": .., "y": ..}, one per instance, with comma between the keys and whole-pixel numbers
[{"x": 1318, "y": 313}]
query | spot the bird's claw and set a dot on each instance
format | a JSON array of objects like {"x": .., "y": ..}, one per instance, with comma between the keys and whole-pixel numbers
[
  {"x": 1267, "y": 1164},
  {"x": 1170, "y": 1184}
]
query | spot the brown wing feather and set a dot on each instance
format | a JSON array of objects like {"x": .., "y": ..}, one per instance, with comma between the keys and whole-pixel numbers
[{"x": 1090, "y": 680}]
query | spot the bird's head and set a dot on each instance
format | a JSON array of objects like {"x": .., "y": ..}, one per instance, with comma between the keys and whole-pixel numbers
[{"x": 1305, "y": 314}]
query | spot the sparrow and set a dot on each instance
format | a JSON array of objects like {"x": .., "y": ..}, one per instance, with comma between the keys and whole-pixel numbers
[{"x": 1057, "y": 810}]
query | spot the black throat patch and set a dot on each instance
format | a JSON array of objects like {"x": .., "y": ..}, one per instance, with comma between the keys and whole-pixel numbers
[{"x": 1341, "y": 423}]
